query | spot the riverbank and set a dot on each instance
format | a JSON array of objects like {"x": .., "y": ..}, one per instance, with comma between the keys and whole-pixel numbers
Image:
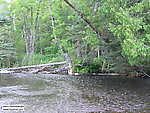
[
  {"x": 61, "y": 71},
  {"x": 100, "y": 74}
]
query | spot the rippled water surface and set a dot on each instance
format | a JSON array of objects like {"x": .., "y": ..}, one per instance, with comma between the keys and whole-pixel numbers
[{"x": 75, "y": 94}]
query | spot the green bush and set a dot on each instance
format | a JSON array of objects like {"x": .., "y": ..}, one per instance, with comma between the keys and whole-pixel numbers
[{"x": 82, "y": 66}]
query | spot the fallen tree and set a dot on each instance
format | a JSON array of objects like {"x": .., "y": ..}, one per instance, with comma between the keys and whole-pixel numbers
[
  {"x": 36, "y": 68},
  {"x": 100, "y": 74}
]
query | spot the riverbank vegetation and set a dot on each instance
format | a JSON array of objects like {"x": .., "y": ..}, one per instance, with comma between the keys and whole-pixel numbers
[{"x": 93, "y": 35}]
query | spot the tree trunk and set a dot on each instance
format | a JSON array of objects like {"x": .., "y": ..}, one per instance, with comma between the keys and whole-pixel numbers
[
  {"x": 58, "y": 42},
  {"x": 78, "y": 48},
  {"x": 25, "y": 37},
  {"x": 95, "y": 9},
  {"x": 35, "y": 29},
  {"x": 35, "y": 32},
  {"x": 31, "y": 34},
  {"x": 27, "y": 30},
  {"x": 98, "y": 53},
  {"x": 85, "y": 19},
  {"x": 26, "y": 40}
]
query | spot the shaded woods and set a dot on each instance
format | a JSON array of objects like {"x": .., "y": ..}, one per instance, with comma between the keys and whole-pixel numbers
[{"x": 94, "y": 36}]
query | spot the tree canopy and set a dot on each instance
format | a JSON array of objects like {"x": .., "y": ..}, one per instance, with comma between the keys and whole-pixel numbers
[{"x": 97, "y": 35}]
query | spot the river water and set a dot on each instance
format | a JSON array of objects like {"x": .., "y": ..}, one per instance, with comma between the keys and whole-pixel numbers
[{"x": 74, "y": 94}]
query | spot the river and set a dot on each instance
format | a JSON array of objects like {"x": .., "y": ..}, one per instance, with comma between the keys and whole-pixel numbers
[{"x": 74, "y": 94}]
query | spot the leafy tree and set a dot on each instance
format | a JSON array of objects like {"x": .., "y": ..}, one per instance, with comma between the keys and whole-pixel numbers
[
  {"x": 129, "y": 23},
  {"x": 27, "y": 14},
  {"x": 7, "y": 50},
  {"x": 98, "y": 35}
]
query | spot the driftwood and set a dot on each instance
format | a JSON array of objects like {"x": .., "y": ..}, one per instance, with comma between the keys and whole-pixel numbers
[
  {"x": 39, "y": 70},
  {"x": 35, "y": 68},
  {"x": 99, "y": 74},
  {"x": 6, "y": 72},
  {"x": 47, "y": 69}
]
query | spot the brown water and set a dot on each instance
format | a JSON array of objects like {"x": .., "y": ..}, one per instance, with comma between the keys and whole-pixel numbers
[{"x": 74, "y": 94}]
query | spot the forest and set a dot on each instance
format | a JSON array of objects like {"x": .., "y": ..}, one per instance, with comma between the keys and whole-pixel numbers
[{"x": 94, "y": 36}]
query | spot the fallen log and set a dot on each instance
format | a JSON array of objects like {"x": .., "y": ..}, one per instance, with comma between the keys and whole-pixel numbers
[
  {"x": 100, "y": 74},
  {"x": 39, "y": 70},
  {"x": 33, "y": 66},
  {"x": 6, "y": 72}
]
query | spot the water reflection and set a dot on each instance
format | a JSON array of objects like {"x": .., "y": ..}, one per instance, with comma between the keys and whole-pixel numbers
[{"x": 75, "y": 94}]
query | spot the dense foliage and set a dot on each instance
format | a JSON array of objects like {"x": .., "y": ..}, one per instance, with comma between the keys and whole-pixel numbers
[
  {"x": 124, "y": 25},
  {"x": 7, "y": 50}
]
